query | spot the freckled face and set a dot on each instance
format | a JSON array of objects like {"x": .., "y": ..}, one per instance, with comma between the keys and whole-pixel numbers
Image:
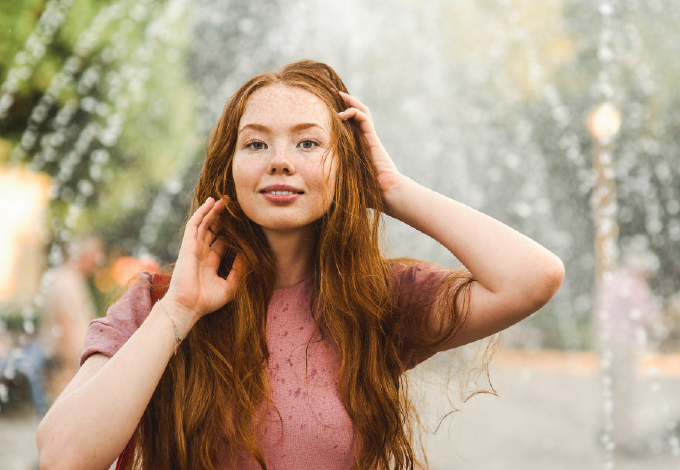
[{"x": 283, "y": 169}]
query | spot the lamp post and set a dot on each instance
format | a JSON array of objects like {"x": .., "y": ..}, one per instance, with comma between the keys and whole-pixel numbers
[{"x": 604, "y": 123}]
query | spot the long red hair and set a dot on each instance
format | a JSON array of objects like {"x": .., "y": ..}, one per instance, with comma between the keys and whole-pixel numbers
[{"x": 205, "y": 403}]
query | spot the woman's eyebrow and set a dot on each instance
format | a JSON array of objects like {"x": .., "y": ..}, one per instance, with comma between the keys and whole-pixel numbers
[
  {"x": 296, "y": 128},
  {"x": 256, "y": 127},
  {"x": 305, "y": 125}
]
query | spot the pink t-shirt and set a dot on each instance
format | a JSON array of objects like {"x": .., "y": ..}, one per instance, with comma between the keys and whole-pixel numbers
[{"x": 317, "y": 431}]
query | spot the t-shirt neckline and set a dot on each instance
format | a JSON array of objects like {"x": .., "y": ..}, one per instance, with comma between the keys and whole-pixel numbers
[{"x": 296, "y": 285}]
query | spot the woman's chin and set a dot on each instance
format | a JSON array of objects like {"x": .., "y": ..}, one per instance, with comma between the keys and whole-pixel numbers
[
  {"x": 288, "y": 229},
  {"x": 286, "y": 225},
  {"x": 283, "y": 220}
]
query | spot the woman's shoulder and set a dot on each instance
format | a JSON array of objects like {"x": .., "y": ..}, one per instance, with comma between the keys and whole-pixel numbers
[
  {"x": 107, "y": 334},
  {"x": 136, "y": 302},
  {"x": 415, "y": 284},
  {"x": 140, "y": 295},
  {"x": 410, "y": 273}
]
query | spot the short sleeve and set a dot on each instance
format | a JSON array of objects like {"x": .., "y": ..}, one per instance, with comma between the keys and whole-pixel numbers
[
  {"x": 414, "y": 290},
  {"x": 108, "y": 334}
]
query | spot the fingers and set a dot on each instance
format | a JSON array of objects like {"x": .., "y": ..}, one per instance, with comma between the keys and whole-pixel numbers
[
  {"x": 354, "y": 113},
  {"x": 204, "y": 232},
  {"x": 236, "y": 271},
  {"x": 362, "y": 118},
  {"x": 200, "y": 213},
  {"x": 191, "y": 229},
  {"x": 355, "y": 103},
  {"x": 219, "y": 247}
]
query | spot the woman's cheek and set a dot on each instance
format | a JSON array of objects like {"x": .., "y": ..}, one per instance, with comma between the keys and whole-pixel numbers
[
  {"x": 248, "y": 204},
  {"x": 241, "y": 185}
]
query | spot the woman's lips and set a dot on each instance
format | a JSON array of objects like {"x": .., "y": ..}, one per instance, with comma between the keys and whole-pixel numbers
[
  {"x": 281, "y": 193},
  {"x": 271, "y": 197}
]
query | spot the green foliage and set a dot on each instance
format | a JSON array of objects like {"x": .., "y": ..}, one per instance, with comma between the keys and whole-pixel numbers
[
  {"x": 18, "y": 18},
  {"x": 140, "y": 87}
]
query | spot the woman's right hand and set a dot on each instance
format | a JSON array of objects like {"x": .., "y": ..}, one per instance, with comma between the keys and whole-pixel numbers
[
  {"x": 93, "y": 419},
  {"x": 195, "y": 288}
]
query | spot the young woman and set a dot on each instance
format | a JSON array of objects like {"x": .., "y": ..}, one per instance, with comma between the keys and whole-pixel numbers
[{"x": 296, "y": 329}]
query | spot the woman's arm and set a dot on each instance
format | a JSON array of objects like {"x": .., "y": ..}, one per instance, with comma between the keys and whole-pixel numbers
[
  {"x": 92, "y": 421},
  {"x": 515, "y": 276}
]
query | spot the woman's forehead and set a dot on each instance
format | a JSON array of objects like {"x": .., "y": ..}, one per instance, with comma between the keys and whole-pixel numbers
[{"x": 283, "y": 105}]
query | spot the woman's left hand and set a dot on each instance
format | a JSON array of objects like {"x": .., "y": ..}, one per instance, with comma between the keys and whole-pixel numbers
[{"x": 385, "y": 168}]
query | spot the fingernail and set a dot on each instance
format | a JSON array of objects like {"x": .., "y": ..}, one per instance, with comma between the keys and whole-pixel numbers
[{"x": 206, "y": 201}]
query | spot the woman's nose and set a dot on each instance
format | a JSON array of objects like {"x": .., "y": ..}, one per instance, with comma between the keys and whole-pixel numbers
[{"x": 281, "y": 162}]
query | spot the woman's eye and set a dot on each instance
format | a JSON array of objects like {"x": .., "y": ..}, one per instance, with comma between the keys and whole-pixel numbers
[
  {"x": 308, "y": 144},
  {"x": 256, "y": 145}
]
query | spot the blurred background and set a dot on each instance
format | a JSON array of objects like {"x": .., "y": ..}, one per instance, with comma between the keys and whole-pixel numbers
[{"x": 556, "y": 117}]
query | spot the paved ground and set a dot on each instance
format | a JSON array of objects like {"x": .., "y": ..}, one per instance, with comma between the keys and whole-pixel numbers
[
  {"x": 17, "y": 443},
  {"x": 545, "y": 418}
]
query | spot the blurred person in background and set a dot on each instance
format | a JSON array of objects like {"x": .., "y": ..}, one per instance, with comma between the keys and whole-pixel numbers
[
  {"x": 68, "y": 310},
  {"x": 632, "y": 317}
]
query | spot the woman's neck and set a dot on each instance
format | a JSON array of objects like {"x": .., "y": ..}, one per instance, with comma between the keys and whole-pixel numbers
[{"x": 294, "y": 252}]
